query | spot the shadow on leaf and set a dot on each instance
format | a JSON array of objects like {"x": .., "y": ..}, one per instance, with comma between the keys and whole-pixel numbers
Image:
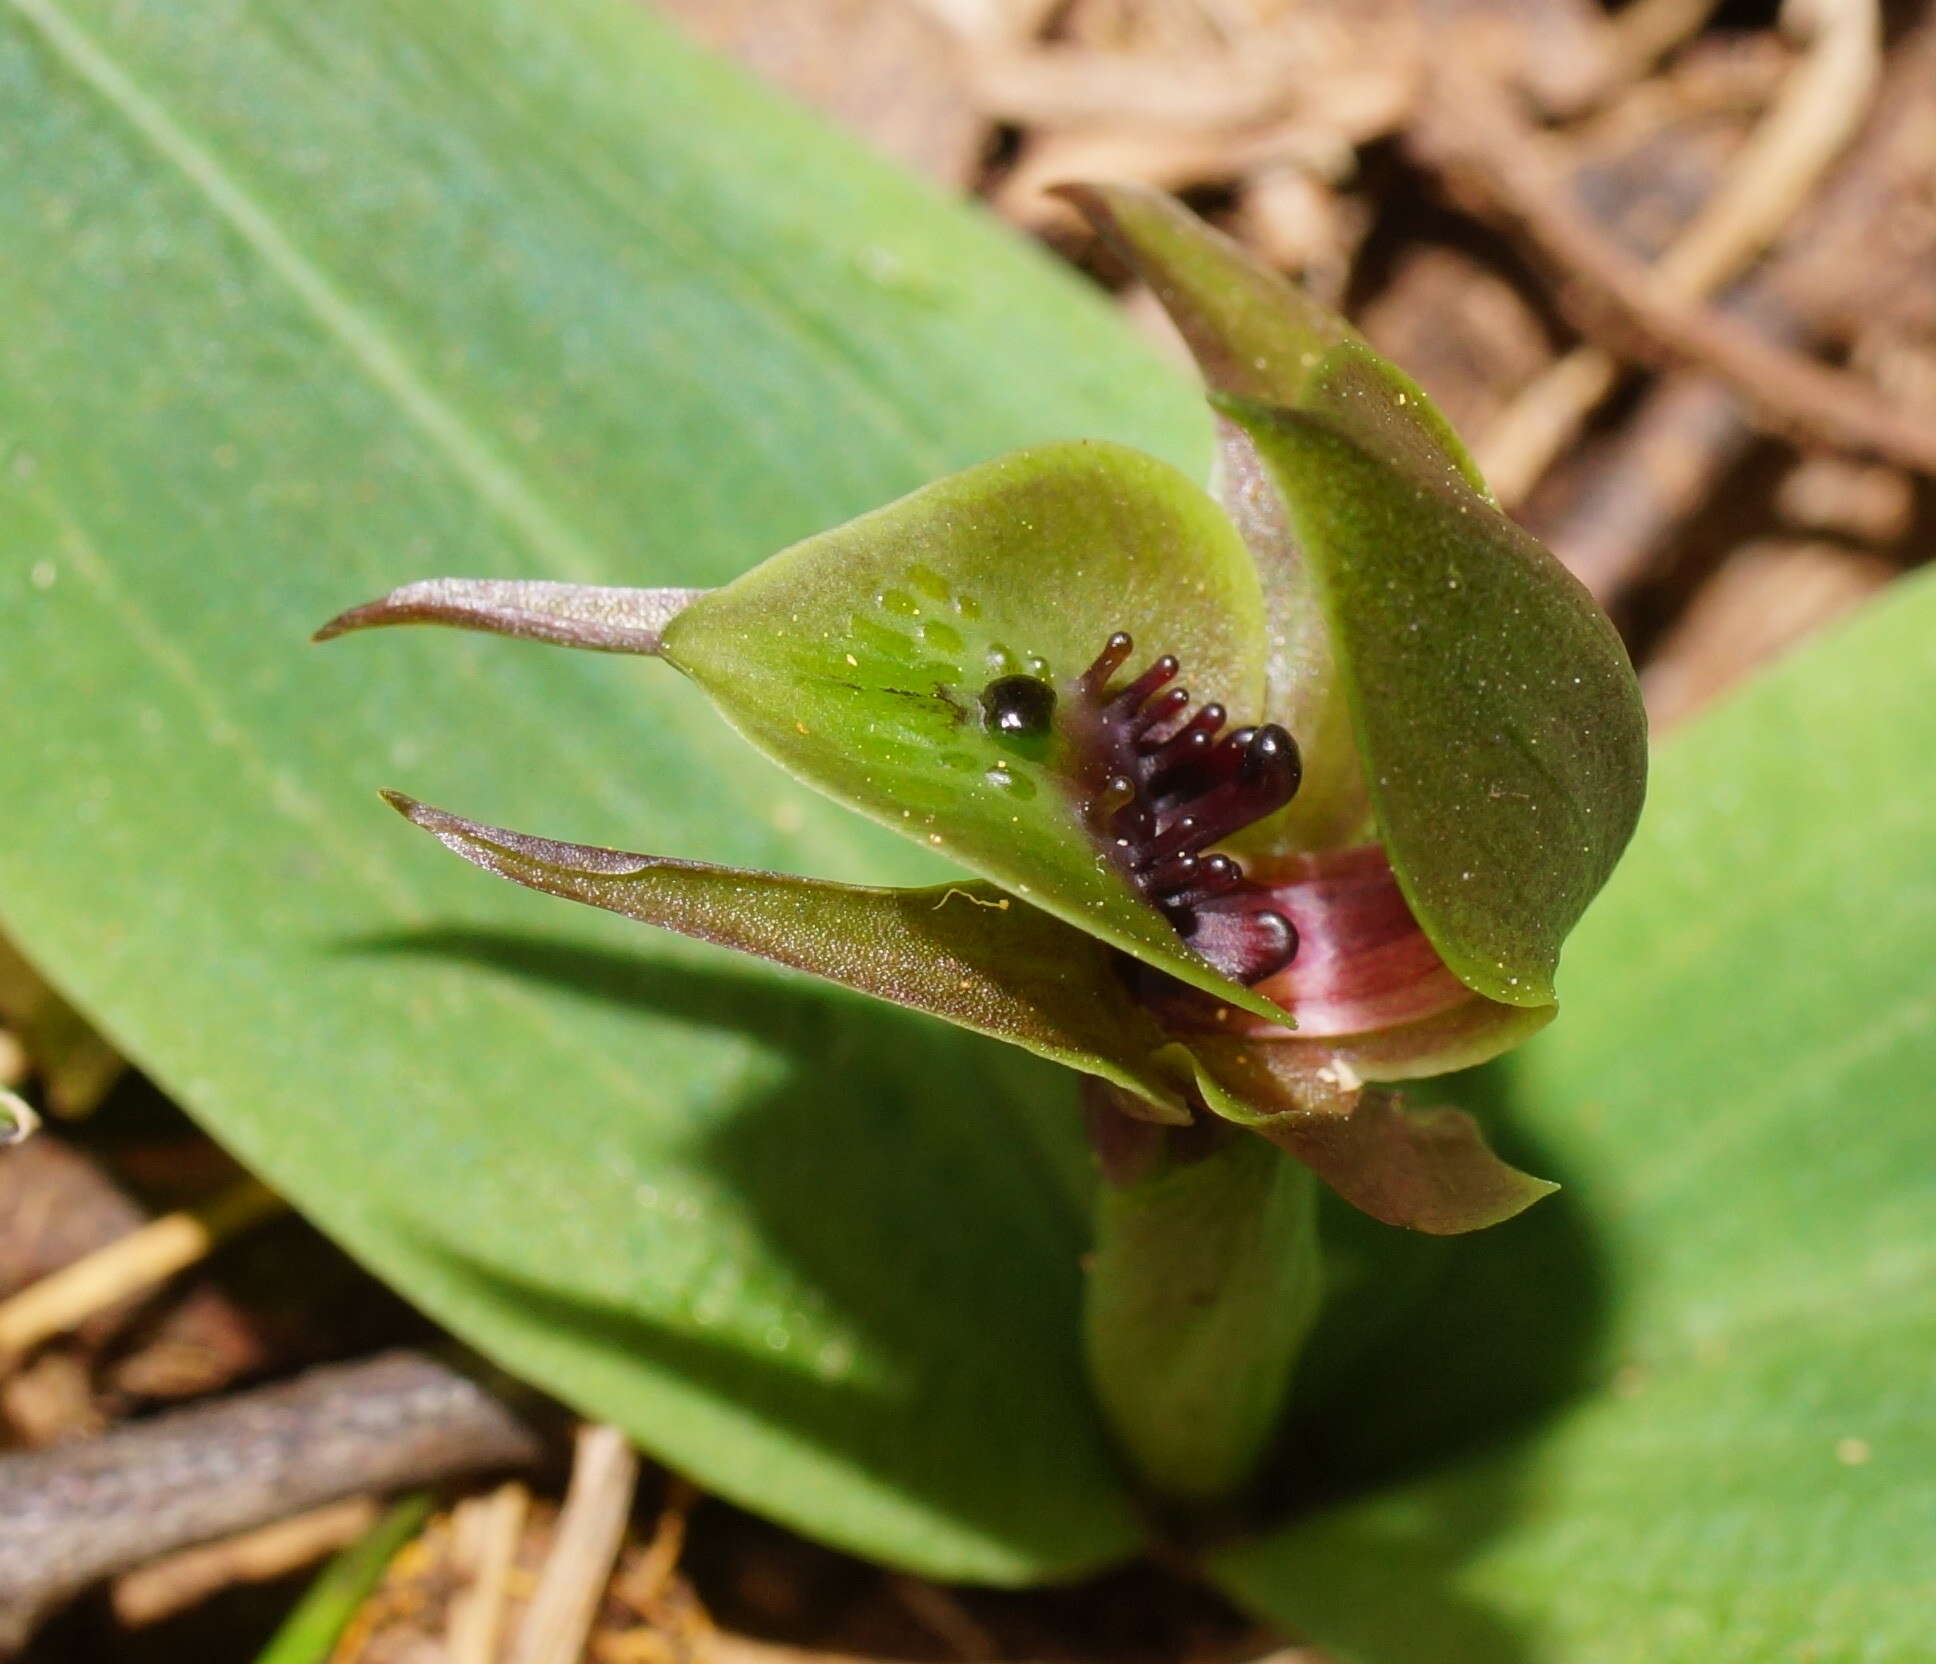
[
  {"x": 893, "y": 1142},
  {"x": 904, "y": 1224},
  {"x": 1433, "y": 1351}
]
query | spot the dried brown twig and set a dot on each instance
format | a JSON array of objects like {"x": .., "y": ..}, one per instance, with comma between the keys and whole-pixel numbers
[
  {"x": 1492, "y": 157},
  {"x": 75, "y": 1514},
  {"x": 1691, "y": 428},
  {"x": 1470, "y": 130}
]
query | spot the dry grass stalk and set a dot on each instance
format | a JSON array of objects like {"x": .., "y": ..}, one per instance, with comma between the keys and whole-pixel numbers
[
  {"x": 176, "y": 1582},
  {"x": 157, "y": 1251},
  {"x": 477, "y": 1613},
  {"x": 591, "y": 1529}
]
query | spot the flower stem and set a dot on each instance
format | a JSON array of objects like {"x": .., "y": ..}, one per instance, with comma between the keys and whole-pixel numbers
[{"x": 1202, "y": 1287}]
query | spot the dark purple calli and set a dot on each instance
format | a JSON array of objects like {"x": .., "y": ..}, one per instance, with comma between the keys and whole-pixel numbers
[{"x": 1274, "y": 797}]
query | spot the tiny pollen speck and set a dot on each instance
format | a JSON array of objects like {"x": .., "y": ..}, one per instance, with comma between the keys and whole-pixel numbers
[{"x": 1852, "y": 1453}]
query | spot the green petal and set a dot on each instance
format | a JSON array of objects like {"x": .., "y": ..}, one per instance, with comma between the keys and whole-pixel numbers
[
  {"x": 962, "y": 952},
  {"x": 859, "y": 658},
  {"x": 1496, "y": 712},
  {"x": 1498, "y": 731}
]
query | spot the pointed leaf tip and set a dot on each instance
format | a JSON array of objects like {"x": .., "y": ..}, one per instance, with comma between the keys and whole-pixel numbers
[{"x": 600, "y": 618}]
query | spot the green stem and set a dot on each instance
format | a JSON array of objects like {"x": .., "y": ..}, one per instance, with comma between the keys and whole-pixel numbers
[{"x": 1202, "y": 1288}]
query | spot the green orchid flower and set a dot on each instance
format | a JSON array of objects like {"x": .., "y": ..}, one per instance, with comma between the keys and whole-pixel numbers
[{"x": 1274, "y": 798}]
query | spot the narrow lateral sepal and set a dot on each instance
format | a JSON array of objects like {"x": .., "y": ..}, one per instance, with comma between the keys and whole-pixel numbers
[{"x": 967, "y": 953}]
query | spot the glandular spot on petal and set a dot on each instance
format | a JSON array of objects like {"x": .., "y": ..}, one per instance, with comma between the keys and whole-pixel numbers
[{"x": 943, "y": 638}]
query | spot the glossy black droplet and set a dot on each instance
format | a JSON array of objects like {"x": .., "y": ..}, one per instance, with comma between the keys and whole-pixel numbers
[
  {"x": 1270, "y": 754},
  {"x": 1018, "y": 708}
]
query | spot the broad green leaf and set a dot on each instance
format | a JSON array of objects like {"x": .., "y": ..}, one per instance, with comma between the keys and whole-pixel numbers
[
  {"x": 1680, "y": 1414},
  {"x": 967, "y": 953},
  {"x": 860, "y": 658},
  {"x": 301, "y": 302},
  {"x": 1504, "y": 744}
]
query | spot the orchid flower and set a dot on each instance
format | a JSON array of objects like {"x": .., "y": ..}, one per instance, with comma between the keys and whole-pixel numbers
[{"x": 1273, "y": 798}]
